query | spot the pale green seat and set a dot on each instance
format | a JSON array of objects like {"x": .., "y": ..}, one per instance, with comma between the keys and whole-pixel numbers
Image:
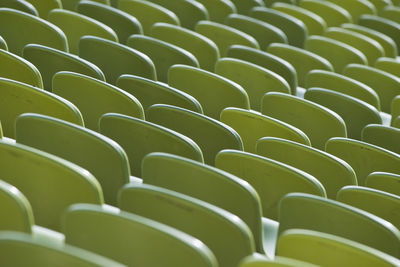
[
  {"x": 303, "y": 61},
  {"x": 148, "y": 13},
  {"x": 121, "y": 22},
  {"x": 261, "y": 261},
  {"x": 317, "y": 122},
  {"x": 131, "y": 239},
  {"x": 138, "y": 138},
  {"x": 330, "y": 250},
  {"x": 251, "y": 126},
  {"x": 211, "y": 135},
  {"x": 356, "y": 113},
  {"x": 20, "y": 249},
  {"x": 331, "y": 171},
  {"x": 72, "y": 4},
  {"x": 384, "y": 181},
  {"x": 263, "y": 32},
  {"x": 314, "y": 23},
  {"x": 386, "y": 85},
  {"x": 268, "y": 61},
  {"x": 305, "y": 211},
  {"x": 342, "y": 84},
  {"x": 363, "y": 157},
  {"x": 205, "y": 50},
  {"x": 163, "y": 54},
  {"x": 333, "y": 14},
  {"x": 244, "y": 6},
  {"x": 214, "y": 92},
  {"x": 339, "y": 54},
  {"x": 391, "y": 12},
  {"x": 39, "y": 31},
  {"x": 49, "y": 61},
  {"x": 224, "y": 36},
  {"x": 20, "y": 5},
  {"x": 271, "y": 179},
  {"x": 54, "y": 182},
  {"x": 381, "y": 4},
  {"x": 43, "y": 7},
  {"x": 228, "y": 237},
  {"x": 383, "y": 136},
  {"x": 255, "y": 80},
  {"x": 95, "y": 98},
  {"x": 16, "y": 68},
  {"x": 218, "y": 10},
  {"x": 356, "y": 8},
  {"x": 17, "y": 98},
  {"x": 3, "y": 44},
  {"x": 389, "y": 65},
  {"x": 116, "y": 59},
  {"x": 295, "y": 29}
]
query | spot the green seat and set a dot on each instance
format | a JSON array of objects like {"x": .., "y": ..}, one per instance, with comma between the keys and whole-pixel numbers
[
  {"x": 333, "y": 14},
  {"x": 3, "y": 44},
  {"x": 121, "y": 22},
  {"x": 20, "y": 249},
  {"x": 331, "y": 171},
  {"x": 271, "y": 179},
  {"x": 213, "y": 91},
  {"x": 205, "y": 50},
  {"x": 39, "y": 31},
  {"x": 17, "y": 98},
  {"x": 317, "y": 122},
  {"x": 20, "y": 5},
  {"x": 131, "y": 239},
  {"x": 49, "y": 61},
  {"x": 244, "y": 6},
  {"x": 163, "y": 54},
  {"x": 225, "y": 234},
  {"x": 342, "y": 84},
  {"x": 381, "y": 4},
  {"x": 255, "y": 80},
  {"x": 148, "y": 13},
  {"x": 295, "y": 29},
  {"x": 72, "y": 4},
  {"x": 224, "y": 36},
  {"x": 150, "y": 92},
  {"x": 211, "y": 135},
  {"x": 389, "y": 65},
  {"x": 263, "y": 32},
  {"x": 95, "y": 98},
  {"x": 269, "y": 3},
  {"x": 50, "y": 183},
  {"x": 115, "y": 59},
  {"x": 356, "y": 8},
  {"x": 43, "y": 7},
  {"x": 251, "y": 126},
  {"x": 395, "y": 110},
  {"x": 303, "y": 61},
  {"x": 260, "y": 261},
  {"x": 268, "y": 61},
  {"x": 304, "y": 211},
  {"x": 355, "y": 113},
  {"x": 218, "y": 10},
  {"x": 364, "y": 158},
  {"x": 138, "y": 138},
  {"x": 391, "y": 12},
  {"x": 16, "y": 68},
  {"x": 330, "y": 250},
  {"x": 386, "y": 85},
  {"x": 383, "y": 136},
  {"x": 384, "y": 181},
  {"x": 339, "y": 54}
]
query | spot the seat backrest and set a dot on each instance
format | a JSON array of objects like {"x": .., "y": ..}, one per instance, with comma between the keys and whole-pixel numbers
[
  {"x": 244, "y": 6},
  {"x": 388, "y": 64},
  {"x": 218, "y": 10},
  {"x": 261, "y": 261},
  {"x": 391, "y": 12},
  {"x": 20, "y": 5},
  {"x": 384, "y": 181},
  {"x": 383, "y": 136},
  {"x": 356, "y": 8},
  {"x": 43, "y": 7},
  {"x": 3, "y": 44},
  {"x": 333, "y": 14}
]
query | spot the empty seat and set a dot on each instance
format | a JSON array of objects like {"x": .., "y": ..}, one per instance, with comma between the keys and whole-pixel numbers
[
  {"x": 260, "y": 261},
  {"x": 333, "y": 14},
  {"x": 218, "y": 10},
  {"x": 389, "y": 65},
  {"x": 244, "y": 6},
  {"x": 43, "y": 7},
  {"x": 20, "y": 5},
  {"x": 356, "y": 8},
  {"x": 384, "y": 181},
  {"x": 383, "y": 136}
]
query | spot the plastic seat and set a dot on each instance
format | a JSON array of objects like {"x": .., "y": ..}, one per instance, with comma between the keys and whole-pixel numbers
[
  {"x": 17, "y": 98},
  {"x": 333, "y": 14},
  {"x": 116, "y": 59},
  {"x": 331, "y": 171},
  {"x": 355, "y": 113},
  {"x": 384, "y": 181},
  {"x": 244, "y": 6},
  {"x": 211, "y": 135},
  {"x": 16, "y": 68},
  {"x": 364, "y": 158},
  {"x": 163, "y": 54},
  {"x": 395, "y": 111},
  {"x": 255, "y": 80},
  {"x": 339, "y": 54},
  {"x": 303, "y": 61},
  {"x": 252, "y": 126},
  {"x": 304, "y": 211},
  {"x": 49, "y": 61},
  {"x": 138, "y": 138},
  {"x": 271, "y": 179},
  {"x": 20, "y": 5},
  {"x": 356, "y": 8},
  {"x": 259, "y": 261},
  {"x": 121, "y": 22},
  {"x": 213, "y": 91},
  {"x": 383, "y": 136},
  {"x": 20, "y": 249},
  {"x": 269, "y": 3},
  {"x": 224, "y": 36},
  {"x": 39, "y": 31},
  {"x": 43, "y": 7},
  {"x": 268, "y": 61},
  {"x": 225, "y": 234},
  {"x": 148, "y": 13},
  {"x": 381, "y": 4},
  {"x": 205, "y": 50},
  {"x": 72, "y": 4},
  {"x": 389, "y": 65},
  {"x": 317, "y": 122},
  {"x": 391, "y": 12},
  {"x": 295, "y": 29},
  {"x": 330, "y": 250},
  {"x": 3, "y": 44},
  {"x": 218, "y": 10},
  {"x": 386, "y": 85},
  {"x": 150, "y": 92}
]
